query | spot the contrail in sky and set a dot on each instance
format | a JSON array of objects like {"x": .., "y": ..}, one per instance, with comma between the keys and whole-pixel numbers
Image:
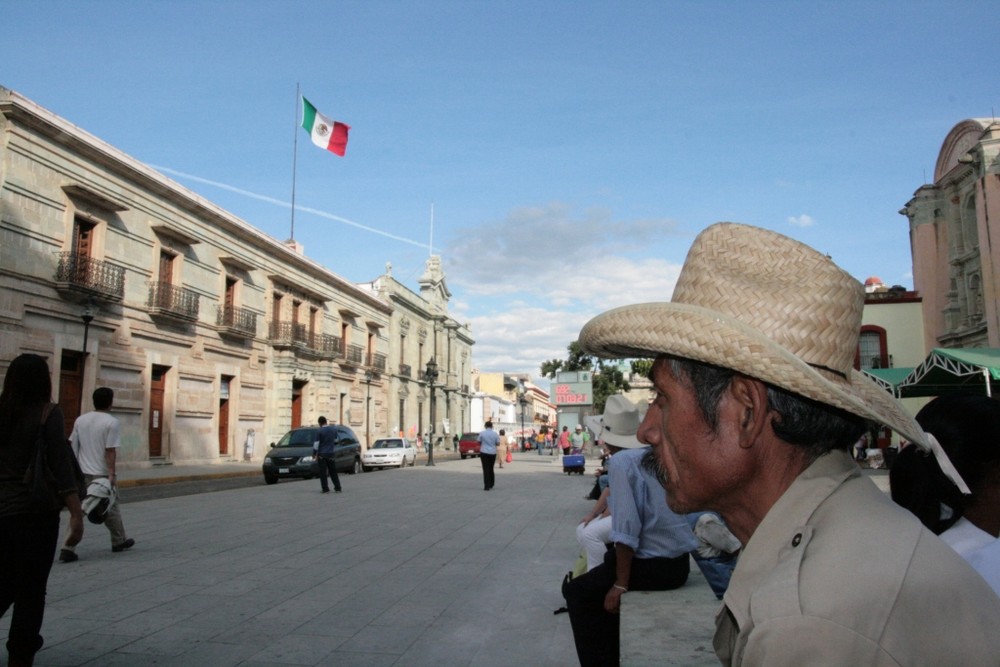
[{"x": 278, "y": 202}]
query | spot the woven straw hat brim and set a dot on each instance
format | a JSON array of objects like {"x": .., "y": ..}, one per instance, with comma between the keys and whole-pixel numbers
[{"x": 692, "y": 332}]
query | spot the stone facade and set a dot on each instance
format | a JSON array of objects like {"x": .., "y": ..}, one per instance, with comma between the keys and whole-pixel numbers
[
  {"x": 952, "y": 224},
  {"x": 213, "y": 335},
  {"x": 420, "y": 330}
]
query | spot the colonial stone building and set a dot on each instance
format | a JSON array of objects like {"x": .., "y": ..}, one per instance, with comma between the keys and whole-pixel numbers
[
  {"x": 215, "y": 337},
  {"x": 953, "y": 222},
  {"x": 420, "y": 330}
]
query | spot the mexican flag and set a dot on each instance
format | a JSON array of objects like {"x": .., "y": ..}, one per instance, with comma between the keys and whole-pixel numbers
[{"x": 326, "y": 133}]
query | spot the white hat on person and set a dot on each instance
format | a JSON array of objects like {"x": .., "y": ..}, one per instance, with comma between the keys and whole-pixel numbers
[{"x": 620, "y": 423}]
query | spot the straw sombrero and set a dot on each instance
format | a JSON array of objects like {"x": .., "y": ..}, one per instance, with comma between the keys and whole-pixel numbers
[{"x": 766, "y": 306}]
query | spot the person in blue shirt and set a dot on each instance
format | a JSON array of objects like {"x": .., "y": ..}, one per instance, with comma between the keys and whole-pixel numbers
[
  {"x": 323, "y": 449},
  {"x": 651, "y": 542},
  {"x": 488, "y": 441}
]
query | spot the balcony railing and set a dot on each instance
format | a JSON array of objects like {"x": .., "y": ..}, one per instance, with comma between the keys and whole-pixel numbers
[
  {"x": 405, "y": 370},
  {"x": 289, "y": 334},
  {"x": 331, "y": 345},
  {"x": 355, "y": 354},
  {"x": 237, "y": 321},
  {"x": 94, "y": 277},
  {"x": 286, "y": 333},
  {"x": 174, "y": 302},
  {"x": 376, "y": 362}
]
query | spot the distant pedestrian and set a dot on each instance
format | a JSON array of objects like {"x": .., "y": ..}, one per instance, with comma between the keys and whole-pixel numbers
[
  {"x": 488, "y": 442},
  {"x": 577, "y": 439},
  {"x": 324, "y": 451},
  {"x": 95, "y": 440},
  {"x": 564, "y": 440},
  {"x": 504, "y": 447}
]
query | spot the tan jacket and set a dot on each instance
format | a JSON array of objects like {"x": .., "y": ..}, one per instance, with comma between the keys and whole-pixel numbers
[{"x": 837, "y": 574}]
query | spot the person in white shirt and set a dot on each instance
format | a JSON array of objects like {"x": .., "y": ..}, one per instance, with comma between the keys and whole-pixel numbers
[{"x": 95, "y": 441}]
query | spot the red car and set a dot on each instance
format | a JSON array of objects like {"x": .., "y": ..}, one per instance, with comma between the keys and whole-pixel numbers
[{"x": 468, "y": 445}]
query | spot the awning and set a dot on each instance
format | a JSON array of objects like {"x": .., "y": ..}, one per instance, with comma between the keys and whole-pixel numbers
[
  {"x": 888, "y": 378},
  {"x": 953, "y": 371}
]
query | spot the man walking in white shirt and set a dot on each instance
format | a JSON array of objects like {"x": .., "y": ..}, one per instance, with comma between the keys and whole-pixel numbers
[{"x": 95, "y": 440}]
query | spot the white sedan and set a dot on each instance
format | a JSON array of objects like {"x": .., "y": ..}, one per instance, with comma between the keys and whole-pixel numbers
[{"x": 389, "y": 453}]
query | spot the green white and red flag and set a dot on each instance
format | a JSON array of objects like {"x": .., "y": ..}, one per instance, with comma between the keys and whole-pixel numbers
[{"x": 325, "y": 133}]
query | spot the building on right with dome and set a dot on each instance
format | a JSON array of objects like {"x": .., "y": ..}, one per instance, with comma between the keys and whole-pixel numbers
[{"x": 955, "y": 240}]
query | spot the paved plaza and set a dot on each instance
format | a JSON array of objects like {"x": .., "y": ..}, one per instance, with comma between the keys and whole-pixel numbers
[{"x": 416, "y": 567}]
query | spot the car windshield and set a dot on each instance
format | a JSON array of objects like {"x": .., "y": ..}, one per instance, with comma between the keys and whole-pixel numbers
[
  {"x": 470, "y": 436},
  {"x": 388, "y": 444},
  {"x": 298, "y": 438}
]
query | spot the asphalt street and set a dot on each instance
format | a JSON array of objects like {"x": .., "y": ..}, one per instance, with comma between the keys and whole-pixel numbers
[{"x": 417, "y": 566}]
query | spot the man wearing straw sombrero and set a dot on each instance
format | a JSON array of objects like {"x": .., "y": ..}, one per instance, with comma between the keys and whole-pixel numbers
[{"x": 756, "y": 406}]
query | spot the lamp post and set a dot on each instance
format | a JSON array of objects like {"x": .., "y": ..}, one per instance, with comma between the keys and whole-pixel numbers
[
  {"x": 87, "y": 316},
  {"x": 431, "y": 374},
  {"x": 368, "y": 402},
  {"x": 522, "y": 399}
]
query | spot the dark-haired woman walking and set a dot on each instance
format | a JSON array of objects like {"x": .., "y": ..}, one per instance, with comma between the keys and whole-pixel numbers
[{"x": 28, "y": 535}]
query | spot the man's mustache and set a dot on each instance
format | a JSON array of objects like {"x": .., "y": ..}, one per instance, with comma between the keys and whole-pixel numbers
[{"x": 651, "y": 462}]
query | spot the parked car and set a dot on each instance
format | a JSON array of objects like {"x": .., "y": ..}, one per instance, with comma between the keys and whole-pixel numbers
[
  {"x": 292, "y": 456},
  {"x": 389, "y": 453},
  {"x": 468, "y": 444}
]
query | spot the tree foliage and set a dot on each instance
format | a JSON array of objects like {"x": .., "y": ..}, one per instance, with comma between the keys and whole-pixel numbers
[{"x": 607, "y": 377}]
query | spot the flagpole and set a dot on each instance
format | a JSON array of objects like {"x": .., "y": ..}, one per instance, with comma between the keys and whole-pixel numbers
[{"x": 295, "y": 155}]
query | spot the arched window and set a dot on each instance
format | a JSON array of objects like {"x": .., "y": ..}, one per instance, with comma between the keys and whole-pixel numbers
[{"x": 872, "y": 349}]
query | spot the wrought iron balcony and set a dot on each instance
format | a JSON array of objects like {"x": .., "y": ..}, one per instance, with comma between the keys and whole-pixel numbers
[
  {"x": 355, "y": 355},
  {"x": 331, "y": 345},
  {"x": 174, "y": 302},
  {"x": 237, "y": 321},
  {"x": 82, "y": 275},
  {"x": 405, "y": 370},
  {"x": 286, "y": 334},
  {"x": 376, "y": 362}
]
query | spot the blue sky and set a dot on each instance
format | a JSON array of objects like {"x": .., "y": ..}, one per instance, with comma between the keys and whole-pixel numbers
[{"x": 571, "y": 150}]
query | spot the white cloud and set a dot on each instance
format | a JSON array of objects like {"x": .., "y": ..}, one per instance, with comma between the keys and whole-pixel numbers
[
  {"x": 801, "y": 221},
  {"x": 529, "y": 284}
]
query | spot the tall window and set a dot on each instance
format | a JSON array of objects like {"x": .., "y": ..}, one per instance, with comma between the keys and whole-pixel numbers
[{"x": 872, "y": 349}]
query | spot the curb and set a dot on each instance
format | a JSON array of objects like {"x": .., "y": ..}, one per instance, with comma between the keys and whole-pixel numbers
[{"x": 150, "y": 481}]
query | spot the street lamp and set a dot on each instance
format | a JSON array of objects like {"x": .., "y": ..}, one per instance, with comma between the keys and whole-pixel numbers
[
  {"x": 87, "y": 316},
  {"x": 368, "y": 401},
  {"x": 430, "y": 375},
  {"x": 523, "y": 400}
]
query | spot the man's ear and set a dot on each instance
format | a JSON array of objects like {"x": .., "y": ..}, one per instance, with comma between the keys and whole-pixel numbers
[{"x": 750, "y": 401}]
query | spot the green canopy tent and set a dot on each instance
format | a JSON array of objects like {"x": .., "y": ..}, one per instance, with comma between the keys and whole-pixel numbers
[
  {"x": 888, "y": 378},
  {"x": 953, "y": 371}
]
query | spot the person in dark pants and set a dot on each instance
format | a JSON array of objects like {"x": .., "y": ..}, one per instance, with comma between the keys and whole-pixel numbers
[
  {"x": 28, "y": 533},
  {"x": 488, "y": 442},
  {"x": 323, "y": 449},
  {"x": 650, "y": 542}
]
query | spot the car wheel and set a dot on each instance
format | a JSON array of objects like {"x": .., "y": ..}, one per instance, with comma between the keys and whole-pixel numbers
[
  {"x": 413, "y": 461},
  {"x": 356, "y": 468},
  {"x": 271, "y": 479},
  {"x": 463, "y": 456},
  {"x": 365, "y": 468}
]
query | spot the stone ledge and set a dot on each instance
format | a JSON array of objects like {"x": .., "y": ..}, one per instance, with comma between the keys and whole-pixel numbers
[{"x": 670, "y": 627}]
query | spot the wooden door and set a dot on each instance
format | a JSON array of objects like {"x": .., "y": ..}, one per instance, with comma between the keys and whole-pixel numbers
[
  {"x": 224, "y": 415},
  {"x": 297, "y": 404},
  {"x": 71, "y": 388},
  {"x": 157, "y": 387}
]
